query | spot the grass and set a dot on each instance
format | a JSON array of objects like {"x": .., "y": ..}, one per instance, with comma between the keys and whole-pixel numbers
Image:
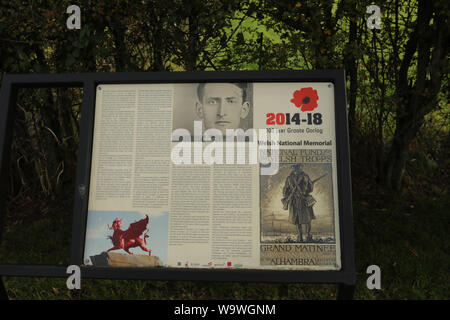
[{"x": 408, "y": 241}]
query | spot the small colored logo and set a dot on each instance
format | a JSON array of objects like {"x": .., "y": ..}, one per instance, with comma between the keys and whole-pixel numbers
[
  {"x": 305, "y": 99},
  {"x": 229, "y": 264}
]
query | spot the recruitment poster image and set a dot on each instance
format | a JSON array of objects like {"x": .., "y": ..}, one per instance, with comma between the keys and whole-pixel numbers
[
  {"x": 214, "y": 175},
  {"x": 298, "y": 228}
]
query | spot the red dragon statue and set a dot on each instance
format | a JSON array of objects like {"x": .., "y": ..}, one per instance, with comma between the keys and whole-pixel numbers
[{"x": 129, "y": 238}]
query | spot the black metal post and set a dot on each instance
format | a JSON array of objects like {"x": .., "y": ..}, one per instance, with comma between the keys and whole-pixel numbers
[
  {"x": 3, "y": 294},
  {"x": 345, "y": 292}
]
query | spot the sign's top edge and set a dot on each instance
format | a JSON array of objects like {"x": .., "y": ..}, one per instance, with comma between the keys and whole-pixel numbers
[
  {"x": 78, "y": 79},
  {"x": 180, "y": 72}
]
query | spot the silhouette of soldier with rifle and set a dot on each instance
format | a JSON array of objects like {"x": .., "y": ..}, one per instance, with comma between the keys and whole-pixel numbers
[{"x": 298, "y": 200}]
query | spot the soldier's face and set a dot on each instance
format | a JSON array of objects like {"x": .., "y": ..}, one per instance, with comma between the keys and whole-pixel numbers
[{"x": 222, "y": 106}]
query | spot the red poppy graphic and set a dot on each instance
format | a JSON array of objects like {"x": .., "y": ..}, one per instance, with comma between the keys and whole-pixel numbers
[{"x": 306, "y": 99}]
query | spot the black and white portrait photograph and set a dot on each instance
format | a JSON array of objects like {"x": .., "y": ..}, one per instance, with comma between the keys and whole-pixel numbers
[{"x": 218, "y": 106}]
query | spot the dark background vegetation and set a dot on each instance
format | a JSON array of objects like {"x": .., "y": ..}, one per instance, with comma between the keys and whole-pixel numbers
[{"x": 397, "y": 92}]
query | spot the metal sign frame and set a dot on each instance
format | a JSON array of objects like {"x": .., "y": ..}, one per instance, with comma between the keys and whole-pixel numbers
[{"x": 89, "y": 81}]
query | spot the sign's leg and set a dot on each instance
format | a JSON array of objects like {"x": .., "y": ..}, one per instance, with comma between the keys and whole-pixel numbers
[
  {"x": 345, "y": 292},
  {"x": 3, "y": 294}
]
